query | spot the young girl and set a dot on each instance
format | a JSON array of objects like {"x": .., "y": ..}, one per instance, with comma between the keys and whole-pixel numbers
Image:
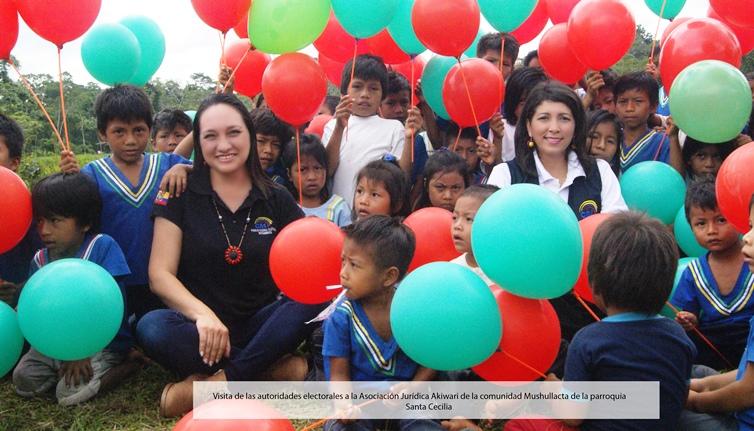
[
  {"x": 701, "y": 159},
  {"x": 464, "y": 212},
  {"x": 381, "y": 188},
  {"x": 316, "y": 199},
  {"x": 604, "y": 134},
  {"x": 446, "y": 176}
]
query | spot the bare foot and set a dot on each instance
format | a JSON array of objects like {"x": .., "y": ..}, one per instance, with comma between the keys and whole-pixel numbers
[{"x": 177, "y": 399}]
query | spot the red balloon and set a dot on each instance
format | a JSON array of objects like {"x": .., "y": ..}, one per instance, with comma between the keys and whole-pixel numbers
[
  {"x": 734, "y": 186},
  {"x": 695, "y": 40},
  {"x": 317, "y": 125},
  {"x": 221, "y": 14},
  {"x": 256, "y": 415},
  {"x": 332, "y": 68},
  {"x": 305, "y": 260},
  {"x": 434, "y": 242},
  {"x": 9, "y": 24},
  {"x": 557, "y": 57},
  {"x": 531, "y": 334},
  {"x": 242, "y": 28},
  {"x": 294, "y": 87},
  {"x": 334, "y": 43},
  {"x": 559, "y": 10},
  {"x": 59, "y": 21},
  {"x": 588, "y": 226},
  {"x": 737, "y": 12},
  {"x": 431, "y": 20},
  {"x": 600, "y": 32},
  {"x": 672, "y": 26},
  {"x": 383, "y": 45},
  {"x": 248, "y": 77},
  {"x": 533, "y": 25},
  {"x": 485, "y": 85},
  {"x": 744, "y": 35},
  {"x": 15, "y": 218}
]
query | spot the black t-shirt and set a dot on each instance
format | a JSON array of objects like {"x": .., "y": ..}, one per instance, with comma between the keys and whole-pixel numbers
[{"x": 233, "y": 292}]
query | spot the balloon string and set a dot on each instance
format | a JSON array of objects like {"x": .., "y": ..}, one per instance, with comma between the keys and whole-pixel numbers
[
  {"x": 39, "y": 103},
  {"x": 659, "y": 147},
  {"x": 458, "y": 138},
  {"x": 502, "y": 51},
  {"x": 353, "y": 70},
  {"x": 321, "y": 422},
  {"x": 703, "y": 338},
  {"x": 222, "y": 58},
  {"x": 657, "y": 31},
  {"x": 235, "y": 69},
  {"x": 524, "y": 364},
  {"x": 468, "y": 94},
  {"x": 62, "y": 103},
  {"x": 412, "y": 105},
  {"x": 586, "y": 306},
  {"x": 298, "y": 158}
]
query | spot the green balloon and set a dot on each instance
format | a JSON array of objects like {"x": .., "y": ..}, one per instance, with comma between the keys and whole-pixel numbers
[
  {"x": 402, "y": 30},
  {"x": 685, "y": 237},
  {"x": 111, "y": 53},
  {"x": 471, "y": 50},
  {"x": 420, "y": 323},
  {"x": 672, "y": 7},
  {"x": 70, "y": 309},
  {"x": 10, "y": 338},
  {"x": 364, "y": 18},
  {"x": 433, "y": 79},
  {"x": 711, "y": 101},
  {"x": 152, "y": 44},
  {"x": 683, "y": 263},
  {"x": 655, "y": 188},
  {"x": 280, "y": 26},
  {"x": 520, "y": 227},
  {"x": 507, "y": 15}
]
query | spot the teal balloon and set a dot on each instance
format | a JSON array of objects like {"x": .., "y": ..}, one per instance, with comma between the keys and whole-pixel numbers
[
  {"x": 433, "y": 78},
  {"x": 402, "y": 30},
  {"x": 191, "y": 114},
  {"x": 517, "y": 230},
  {"x": 111, "y": 53},
  {"x": 655, "y": 188},
  {"x": 684, "y": 236},
  {"x": 683, "y": 263},
  {"x": 711, "y": 101},
  {"x": 11, "y": 339},
  {"x": 507, "y": 15},
  {"x": 364, "y": 18},
  {"x": 421, "y": 326},
  {"x": 70, "y": 309},
  {"x": 280, "y": 26},
  {"x": 152, "y": 45},
  {"x": 672, "y": 7},
  {"x": 471, "y": 50}
]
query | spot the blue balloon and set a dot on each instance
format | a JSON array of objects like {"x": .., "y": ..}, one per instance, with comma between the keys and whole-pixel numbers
[
  {"x": 11, "y": 339},
  {"x": 152, "y": 44},
  {"x": 655, "y": 188},
  {"x": 685, "y": 237},
  {"x": 419, "y": 317},
  {"x": 364, "y": 18},
  {"x": 433, "y": 79},
  {"x": 683, "y": 263},
  {"x": 402, "y": 30},
  {"x": 111, "y": 53}
]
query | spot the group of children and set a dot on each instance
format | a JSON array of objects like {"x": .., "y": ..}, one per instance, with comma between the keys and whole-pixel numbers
[{"x": 380, "y": 159}]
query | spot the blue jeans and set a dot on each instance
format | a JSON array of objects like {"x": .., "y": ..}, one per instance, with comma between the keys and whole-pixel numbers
[
  {"x": 372, "y": 425},
  {"x": 172, "y": 340}
]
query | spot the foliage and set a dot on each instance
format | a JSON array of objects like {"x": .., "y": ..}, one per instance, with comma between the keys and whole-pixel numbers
[{"x": 33, "y": 167}]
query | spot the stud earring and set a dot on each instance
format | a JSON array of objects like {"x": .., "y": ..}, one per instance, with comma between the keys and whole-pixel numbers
[{"x": 531, "y": 143}]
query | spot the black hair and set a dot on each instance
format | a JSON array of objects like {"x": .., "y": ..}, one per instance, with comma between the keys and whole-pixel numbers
[
  {"x": 530, "y": 56},
  {"x": 169, "y": 119},
  {"x": 332, "y": 103},
  {"x": 258, "y": 178},
  {"x": 309, "y": 145},
  {"x": 519, "y": 85},
  {"x": 641, "y": 81},
  {"x": 466, "y": 133},
  {"x": 125, "y": 103},
  {"x": 554, "y": 92},
  {"x": 701, "y": 194},
  {"x": 594, "y": 119},
  {"x": 441, "y": 162},
  {"x": 368, "y": 68},
  {"x": 692, "y": 146},
  {"x": 389, "y": 242},
  {"x": 492, "y": 42},
  {"x": 14, "y": 137},
  {"x": 68, "y": 195},
  {"x": 394, "y": 180},
  {"x": 479, "y": 191},
  {"x": 267, "y": 123},
  {"x": 637, "y": 276},
  {"x": 396, "y": 83}
]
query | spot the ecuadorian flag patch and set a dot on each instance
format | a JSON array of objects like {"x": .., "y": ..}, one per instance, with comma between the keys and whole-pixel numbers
[{"x": 162, "y": 198}]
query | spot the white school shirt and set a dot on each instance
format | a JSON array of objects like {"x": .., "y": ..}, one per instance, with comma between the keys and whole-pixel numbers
[
  {"x": 366, "y": 139},
  {"x": 612, "y": 200},
  {"x": 509, "y": 146}
]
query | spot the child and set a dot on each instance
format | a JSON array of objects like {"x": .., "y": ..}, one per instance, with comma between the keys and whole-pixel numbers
[
  {"x": 477, "y": 151},
  {"x": 604, "y": 133},
  {"x": 169, "y": 128},
  {"x": 702, "y": 159},
  {"x": 381, "y": 188},
  {"x": 489, "y": 47},
  {"x": 376, "y": 254},
  {"x": 446, "y": 176},
  {"x": 633, "y": 343},
  {"x": 67, "y": 210},
  {"x": 328, "y": 106},
  {"x": 517, "y": 90},
  {"x": 464, "y": 212},
  {"x": 272, "y": 137},
  {"x": 532, "y": 59},
  {"x": 715, "y": 291},
  {"x": 317, "y": 200}
]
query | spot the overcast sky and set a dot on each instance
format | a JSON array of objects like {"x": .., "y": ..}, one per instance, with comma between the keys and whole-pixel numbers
[{"x": 192, "y": 46}]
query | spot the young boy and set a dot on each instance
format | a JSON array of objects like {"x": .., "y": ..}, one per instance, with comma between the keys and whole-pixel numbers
[
  {"x": 489, "y": 47},
  {"x": 272, "y": 137},
  {"x": 464, "y": 212},
  {"x": 169, "y": 128},
  {"x": 715, "y": 291},
  {"x": 67, "y": 210},
  {"x": 477, "y": 151},
  {"x": 375, "y": 256}
]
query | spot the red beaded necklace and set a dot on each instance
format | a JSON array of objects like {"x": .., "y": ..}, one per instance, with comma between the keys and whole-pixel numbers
[{"x": 233, "y": 254}]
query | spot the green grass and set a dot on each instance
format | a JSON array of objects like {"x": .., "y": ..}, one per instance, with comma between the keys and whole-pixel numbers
[{"x": 34, "y": 167}]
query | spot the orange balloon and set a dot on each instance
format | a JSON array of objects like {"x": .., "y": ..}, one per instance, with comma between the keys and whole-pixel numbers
[
  {"x": 588, "y": 226},
  {"x": 434, "y": 242},
  {"x": 15, "y": 218},
  {"x": 557, "y": 57}
]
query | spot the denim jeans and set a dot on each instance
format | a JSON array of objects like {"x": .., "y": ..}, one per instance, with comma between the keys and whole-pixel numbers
[{"x": 372, "y": 425}]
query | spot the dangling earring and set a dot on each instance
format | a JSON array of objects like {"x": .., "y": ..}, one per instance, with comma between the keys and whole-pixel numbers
[{"x": 531, "y": 143}]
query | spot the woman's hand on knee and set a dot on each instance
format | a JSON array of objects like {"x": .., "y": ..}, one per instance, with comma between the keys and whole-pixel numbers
[{"x": 214, "y": 339}]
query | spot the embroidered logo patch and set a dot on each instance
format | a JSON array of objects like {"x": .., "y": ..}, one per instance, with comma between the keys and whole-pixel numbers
[
  {"x": 588, "y": 208},
  {"x": 162, "y": 198},
  {"x": 263, "y": 226}
]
